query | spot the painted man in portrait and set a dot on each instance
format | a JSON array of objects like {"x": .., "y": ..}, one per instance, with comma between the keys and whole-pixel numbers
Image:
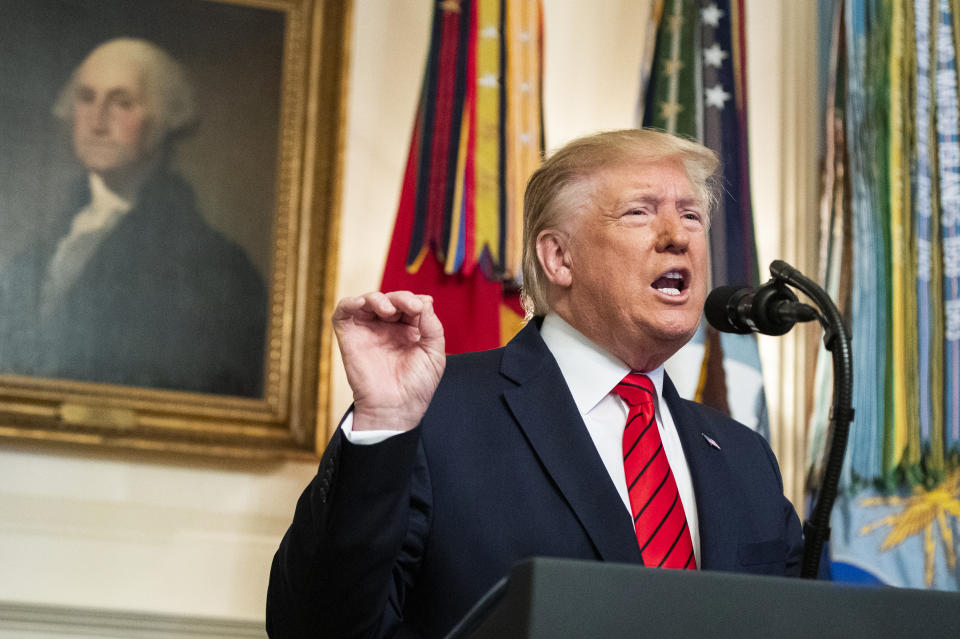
[{"x": 131, "y": 286}]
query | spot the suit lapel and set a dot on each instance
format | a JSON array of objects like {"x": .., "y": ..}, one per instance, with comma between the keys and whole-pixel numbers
[
  {"x": 713, "y": 484},
  {"x": 545, "y": 411}
]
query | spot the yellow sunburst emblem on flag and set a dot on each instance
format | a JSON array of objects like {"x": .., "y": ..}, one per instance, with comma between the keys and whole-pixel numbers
[{"x": 921, "y": 512}]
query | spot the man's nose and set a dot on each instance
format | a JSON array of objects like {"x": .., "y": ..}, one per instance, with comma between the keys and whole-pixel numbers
[
  {"x": 96, "y": 114},
  {"x": 671, "y": 233}
]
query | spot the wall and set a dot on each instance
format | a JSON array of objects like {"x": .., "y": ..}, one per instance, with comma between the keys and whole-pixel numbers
[{"x": 86, "y": 529}]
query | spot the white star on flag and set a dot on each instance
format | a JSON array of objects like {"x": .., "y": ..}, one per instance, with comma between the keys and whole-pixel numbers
[
  {"x": 490, "y": 31},
  {"x": 716, "y": 97},
  {"x": 711, "y": 15},
  {"x": 714, "y": 56},
  {"x": 487, "y": 80}
]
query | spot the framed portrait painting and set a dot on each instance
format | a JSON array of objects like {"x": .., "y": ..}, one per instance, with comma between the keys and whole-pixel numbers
[{"x": 168, "y": 215}]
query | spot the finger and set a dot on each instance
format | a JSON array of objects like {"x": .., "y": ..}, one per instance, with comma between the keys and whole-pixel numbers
[
  {"x": 366, "y": 307},
  {"x": 409, "y": 305},
  {"x": 395, "y": 306},
  {"x": 430, "y": 326},
  {"x": 347, "y": 307},
  {"x": 380, "y": 306}
]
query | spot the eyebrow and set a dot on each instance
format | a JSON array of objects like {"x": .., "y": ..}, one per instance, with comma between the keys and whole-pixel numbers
[
  {"x": 117, "y": 92},
  {"x": 647, "y": 197}
]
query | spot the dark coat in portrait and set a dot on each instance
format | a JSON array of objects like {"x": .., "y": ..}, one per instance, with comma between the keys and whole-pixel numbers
[{"x": 164, "y": 302}]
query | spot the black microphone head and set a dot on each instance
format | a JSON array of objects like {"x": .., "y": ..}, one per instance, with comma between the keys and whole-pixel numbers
[
  {"x": 772, "y": 307},
  {"x": 720, "y": 302}
]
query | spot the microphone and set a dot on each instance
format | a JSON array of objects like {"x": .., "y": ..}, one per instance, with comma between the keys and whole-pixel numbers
[{"x": 772, "y": 309}]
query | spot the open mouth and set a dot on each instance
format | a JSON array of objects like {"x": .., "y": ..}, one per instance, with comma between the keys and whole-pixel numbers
[{"x": 672, "y": 282}]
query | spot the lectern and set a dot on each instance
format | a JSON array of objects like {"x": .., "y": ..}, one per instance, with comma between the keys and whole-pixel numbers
[{"x": 555, "y": 598}]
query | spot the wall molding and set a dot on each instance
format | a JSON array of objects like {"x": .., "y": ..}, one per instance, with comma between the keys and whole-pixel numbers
[{"x": 31, "y": 621}]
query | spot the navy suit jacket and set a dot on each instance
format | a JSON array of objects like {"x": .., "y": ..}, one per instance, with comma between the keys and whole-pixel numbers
[{"x": 402, "y": 537}]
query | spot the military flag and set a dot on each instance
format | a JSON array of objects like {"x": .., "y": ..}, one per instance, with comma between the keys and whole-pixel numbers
[
  {"x": 895, "y": 106},
  {"x": 476, "y": 139}
]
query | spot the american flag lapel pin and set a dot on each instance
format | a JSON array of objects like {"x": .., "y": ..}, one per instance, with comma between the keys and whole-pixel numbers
[{"x": 710, "y": 440}]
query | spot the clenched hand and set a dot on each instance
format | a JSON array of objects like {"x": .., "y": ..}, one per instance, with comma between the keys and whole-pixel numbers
[{"x": 393, "y": 353}]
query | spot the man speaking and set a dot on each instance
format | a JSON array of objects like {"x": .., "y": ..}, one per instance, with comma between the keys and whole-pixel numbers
[{"x": 570, "y": 441}]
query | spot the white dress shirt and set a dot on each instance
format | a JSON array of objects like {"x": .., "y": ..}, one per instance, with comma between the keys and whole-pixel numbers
[
  {"x": 89, "y": 228},
  {"x": 591, "y": 373}
]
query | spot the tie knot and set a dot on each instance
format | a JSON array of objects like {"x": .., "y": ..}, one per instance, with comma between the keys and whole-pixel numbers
[{"x": 636, "y": 389}]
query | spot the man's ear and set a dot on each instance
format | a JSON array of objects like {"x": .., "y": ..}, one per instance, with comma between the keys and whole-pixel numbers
[{"x": 553, "y": 251}]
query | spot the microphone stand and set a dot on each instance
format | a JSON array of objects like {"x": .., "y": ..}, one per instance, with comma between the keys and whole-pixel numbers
[{"x": 836, "y": 338}]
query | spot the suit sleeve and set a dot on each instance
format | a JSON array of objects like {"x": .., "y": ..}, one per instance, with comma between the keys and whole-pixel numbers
[{"x": 353, "y": 549}]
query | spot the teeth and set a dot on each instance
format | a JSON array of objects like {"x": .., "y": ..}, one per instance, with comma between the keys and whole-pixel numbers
[
  {"x": 670, "y": 283},
  {"x": 674, "y": 276}
]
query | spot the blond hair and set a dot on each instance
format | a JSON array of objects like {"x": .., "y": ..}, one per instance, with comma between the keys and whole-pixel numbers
[{"x": 561, "y": 186}]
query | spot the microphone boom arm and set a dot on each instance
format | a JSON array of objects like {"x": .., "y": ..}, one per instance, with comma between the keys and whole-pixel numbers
[{"x": 836, "y": 339}]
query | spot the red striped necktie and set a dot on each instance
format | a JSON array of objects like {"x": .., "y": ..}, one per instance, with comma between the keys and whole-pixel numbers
[{"x": 658, "y": 516}]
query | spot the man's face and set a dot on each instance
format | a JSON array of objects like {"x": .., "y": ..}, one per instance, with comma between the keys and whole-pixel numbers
[
  {"x": 112, "y": 130},
  {"x": 638, "y": 262}
]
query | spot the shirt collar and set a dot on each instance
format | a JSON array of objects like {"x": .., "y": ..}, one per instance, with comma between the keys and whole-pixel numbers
[
  {"x": 590, "y": 371},
  {"x": 104, "y": 197},
  {"x": 103, "y": 211}
]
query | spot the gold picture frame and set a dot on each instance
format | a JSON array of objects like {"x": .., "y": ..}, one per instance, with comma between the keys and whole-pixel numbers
[{"x": 271, "y": 101}]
